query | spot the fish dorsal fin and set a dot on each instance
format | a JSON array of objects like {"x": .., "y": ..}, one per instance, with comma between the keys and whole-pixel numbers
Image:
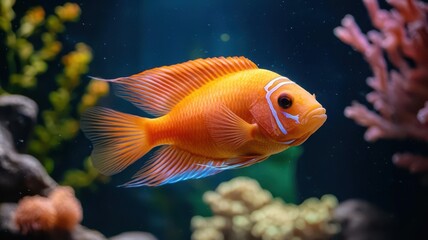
[{"x": 160, "y": 89}]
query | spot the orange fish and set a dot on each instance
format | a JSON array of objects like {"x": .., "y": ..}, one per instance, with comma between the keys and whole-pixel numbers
[{"x": 212, "y": 114}]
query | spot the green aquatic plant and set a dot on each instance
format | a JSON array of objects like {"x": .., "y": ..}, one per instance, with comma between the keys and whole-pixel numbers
[
  {"x": 38, "y": 66},
  {"x": 278, "y": 174},
  {"x": 84, "y": 178}
]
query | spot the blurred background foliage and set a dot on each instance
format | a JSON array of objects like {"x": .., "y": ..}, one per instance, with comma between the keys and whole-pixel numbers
[{"x": 41, "y": 67}]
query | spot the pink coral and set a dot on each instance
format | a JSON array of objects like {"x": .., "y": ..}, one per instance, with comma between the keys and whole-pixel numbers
[{"x": 400, "y": 83}]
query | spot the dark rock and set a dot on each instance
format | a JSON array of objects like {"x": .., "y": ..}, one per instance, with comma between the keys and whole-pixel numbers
[
  {"x": 133, "y": 236},
  {"x": 7, "y": 227},
  {"x": 20, "y": 174},
  {"x": 80, "y": 233},
  {"x": 18, "y": 114},
  {"x": 360, "y": 220}
]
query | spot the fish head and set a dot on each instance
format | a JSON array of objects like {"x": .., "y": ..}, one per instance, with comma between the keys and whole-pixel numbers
[{"x": 287, "y": 113}]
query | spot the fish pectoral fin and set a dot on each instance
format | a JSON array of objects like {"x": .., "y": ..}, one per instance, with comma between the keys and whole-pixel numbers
[
  {"x": 228, "y": 129},
  {"x": 171, "y": 164}
]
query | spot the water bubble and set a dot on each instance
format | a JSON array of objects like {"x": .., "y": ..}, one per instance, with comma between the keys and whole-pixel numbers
[{"x": 224, "y": 37}]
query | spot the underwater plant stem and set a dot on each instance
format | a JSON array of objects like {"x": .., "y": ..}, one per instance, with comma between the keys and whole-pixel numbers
[
  {"x": 10, "y": 55},
  {"x": 10, "y": 49}
]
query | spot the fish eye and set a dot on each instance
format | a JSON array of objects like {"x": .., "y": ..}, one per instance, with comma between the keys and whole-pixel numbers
[{"x": 285, "y": 101}]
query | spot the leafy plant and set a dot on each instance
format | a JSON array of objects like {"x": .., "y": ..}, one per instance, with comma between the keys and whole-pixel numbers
[{"x": 39, "y": 66}]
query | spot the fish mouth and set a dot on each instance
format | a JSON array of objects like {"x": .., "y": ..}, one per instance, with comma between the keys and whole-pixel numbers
[
  {"x": 313, "y": 120},
  {"x": 317, "y": 113}
]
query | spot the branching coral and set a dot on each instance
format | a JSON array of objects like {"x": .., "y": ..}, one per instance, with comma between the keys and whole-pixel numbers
[
  {"x": 243, "y": 210},
  {"x": 400, "y": 94}
]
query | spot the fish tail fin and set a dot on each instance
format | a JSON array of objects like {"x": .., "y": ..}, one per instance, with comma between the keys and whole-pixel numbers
[{"x": 118, "y": 139}]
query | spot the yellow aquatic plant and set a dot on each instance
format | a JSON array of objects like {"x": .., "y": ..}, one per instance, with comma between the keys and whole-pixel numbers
[{"x": 31, "y": 49}]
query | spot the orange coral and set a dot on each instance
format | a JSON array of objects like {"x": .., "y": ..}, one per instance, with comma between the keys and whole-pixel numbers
[
  {"x": 35, "y": 213},
  {"x": 61, "y": 210},
  {"x": 68, "y": 208}
]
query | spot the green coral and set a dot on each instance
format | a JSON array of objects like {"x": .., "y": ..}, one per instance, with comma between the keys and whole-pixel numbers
[{"x": 38, "y": 66}]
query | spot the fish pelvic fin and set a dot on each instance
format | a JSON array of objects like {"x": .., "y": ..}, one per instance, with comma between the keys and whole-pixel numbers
[
  {"x": 118, "y": 139},
  {"x": 171, "y": 164}
]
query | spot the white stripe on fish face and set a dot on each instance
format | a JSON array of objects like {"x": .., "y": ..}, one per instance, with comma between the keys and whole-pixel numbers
[
  {"x": 272, "y": 109},
  {"x": 274, "y": 80},
  {"x": 294, "y": 117}
]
